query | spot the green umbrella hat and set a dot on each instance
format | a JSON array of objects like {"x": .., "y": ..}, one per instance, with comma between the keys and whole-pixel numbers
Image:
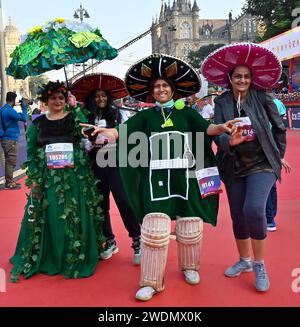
[{"x": 55, "y": 45}]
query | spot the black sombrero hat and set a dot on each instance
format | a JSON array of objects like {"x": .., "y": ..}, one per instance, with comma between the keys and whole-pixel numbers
[
  {"x": 139, "y": 76},
  {"x": 106, "y": 82}
]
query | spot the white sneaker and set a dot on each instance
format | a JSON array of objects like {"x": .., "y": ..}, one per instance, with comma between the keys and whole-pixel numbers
[
  {"x": 191, "y": 277},
  {"x": 145, "y": 293}
]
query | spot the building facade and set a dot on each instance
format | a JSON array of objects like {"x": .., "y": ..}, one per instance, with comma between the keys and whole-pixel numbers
[
  {"x": 179, "y": 29},
  {"x": 12, "y": 37}
]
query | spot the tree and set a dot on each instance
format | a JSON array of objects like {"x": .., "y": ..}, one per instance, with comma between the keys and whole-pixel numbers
[
  {"x": 276, "y": 14},
  {"x": 35, "y": 82},
  {"x": 195, "y": 58}
]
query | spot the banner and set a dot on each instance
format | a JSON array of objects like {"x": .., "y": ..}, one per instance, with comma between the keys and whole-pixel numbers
[
  {"x": 285, "y": 45},
  {"x": 294, "y": 117}
]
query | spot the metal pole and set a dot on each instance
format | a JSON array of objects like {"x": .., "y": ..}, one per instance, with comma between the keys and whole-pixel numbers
[{"x": 3, "y": 76}]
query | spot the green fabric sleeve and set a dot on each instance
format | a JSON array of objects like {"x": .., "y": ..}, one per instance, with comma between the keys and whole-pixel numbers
[
  {"x": 31, "y": 137},
  {"x": 197, "y": 122}
]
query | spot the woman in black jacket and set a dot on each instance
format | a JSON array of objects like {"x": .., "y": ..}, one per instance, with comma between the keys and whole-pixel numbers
[
  {"x": 102, "y": 112},
  {"x": 249, "y": 161}
]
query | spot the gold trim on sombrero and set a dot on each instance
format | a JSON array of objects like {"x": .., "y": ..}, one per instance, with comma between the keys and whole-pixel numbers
[
  {"x": 137, "y": 87},
  {"x": 146, "y": 71},
  {"x": 186, "y": 84},
  {"x": 172, "y": 69}
]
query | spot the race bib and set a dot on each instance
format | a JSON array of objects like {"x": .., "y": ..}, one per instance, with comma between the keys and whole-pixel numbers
[
  {"x": 209, "y": 181},
  {"x": 248, "y": 130},
  {"x": 59, "y": 155}
]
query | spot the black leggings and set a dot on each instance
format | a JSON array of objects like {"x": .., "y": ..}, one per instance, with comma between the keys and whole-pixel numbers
[
  {"x": 247, "y": 198},
  {"x": 110, "y": 181}
]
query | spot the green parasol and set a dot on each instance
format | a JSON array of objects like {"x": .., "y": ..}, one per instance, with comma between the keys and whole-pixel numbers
[{"x": 55, "y": 45}]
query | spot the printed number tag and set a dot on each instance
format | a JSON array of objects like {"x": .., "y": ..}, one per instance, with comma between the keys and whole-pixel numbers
[
  {"x": 60, "y": 155},
  {"x": 209, "y": 181}
]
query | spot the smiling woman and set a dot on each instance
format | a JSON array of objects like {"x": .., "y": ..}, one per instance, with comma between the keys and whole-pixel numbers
[
  {"x": 251, "y": 160},
  {"x": 61, "y": 231},
  {"x": 160, "y": 189}
]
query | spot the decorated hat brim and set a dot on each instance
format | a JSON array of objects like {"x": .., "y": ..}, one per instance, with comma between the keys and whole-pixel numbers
[
  {"x": 265, "y": 66},
  {"x": 140, "y": 76},
  {"x": 112, "y": 85}
]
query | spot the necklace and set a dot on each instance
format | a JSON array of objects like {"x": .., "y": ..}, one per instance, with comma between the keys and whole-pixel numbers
[{"x": 167, "y": 121}]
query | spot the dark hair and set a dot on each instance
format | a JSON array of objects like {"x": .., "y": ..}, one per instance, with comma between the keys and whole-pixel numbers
[
  {"x": 52, "y": 87},
  {"x": 170, "y": 82},
  {"x": 110, "y": 113},
  {"x": 11, "y": 96}
]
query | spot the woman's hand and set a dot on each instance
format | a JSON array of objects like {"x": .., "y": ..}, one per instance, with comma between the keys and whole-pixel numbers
[
  {"x": 237, "y": 136},
  {"x": 72, "y": 102},
  {"x": 287, "y": 167},
  {"x": 229, "y": 126},
  {"x": 111, "y": 133},
  {"x": 85, "y": 126}
]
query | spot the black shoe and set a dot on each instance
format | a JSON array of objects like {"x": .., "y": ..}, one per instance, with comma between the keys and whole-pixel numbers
[{"x": 12, "y": 186}]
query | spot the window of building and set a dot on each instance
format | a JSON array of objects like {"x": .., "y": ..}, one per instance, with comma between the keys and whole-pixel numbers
[{"x": 185, "y": 30}]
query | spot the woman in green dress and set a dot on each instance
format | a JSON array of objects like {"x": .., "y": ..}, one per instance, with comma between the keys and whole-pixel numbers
[
  {"x": 157, "y": 170},
  {"x": 61, "y": 232}
]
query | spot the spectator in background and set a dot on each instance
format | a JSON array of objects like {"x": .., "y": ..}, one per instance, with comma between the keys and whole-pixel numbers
[
  {"x": 35, "y": 108},
  {"x": 271, "y": 207},
  {"x": 189, "y": 102},
  {"x": 125, "y": 114},
  {"x": 10, "y": 124},
  {"x": 207, "y": 112}
]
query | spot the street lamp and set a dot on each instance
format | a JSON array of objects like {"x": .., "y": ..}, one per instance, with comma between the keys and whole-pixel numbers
[
  {"x": 229, "y": 26},
  {"x": 81, "y": 13}
]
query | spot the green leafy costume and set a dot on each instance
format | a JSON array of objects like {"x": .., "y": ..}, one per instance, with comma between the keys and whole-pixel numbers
[
  {"x": 61, "y": 231},
  {"x": 166, "y": 190}
]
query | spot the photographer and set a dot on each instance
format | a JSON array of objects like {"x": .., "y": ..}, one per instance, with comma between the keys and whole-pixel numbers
[{"x": 9, "y": 139}]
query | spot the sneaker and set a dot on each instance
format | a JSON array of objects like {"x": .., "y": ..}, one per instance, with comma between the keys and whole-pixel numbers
[
  {"x": 12, "y": 186},
  {"x": 136, "y": 245},
  {"x": 145, "y": 293},
  {"x": 110, "y": 248},
  {"x": 238, "y": 268},
  {"x": 271, "y": 227},
  {"x": 262, "y": 282},
  {"x": 191, "y": 277}
]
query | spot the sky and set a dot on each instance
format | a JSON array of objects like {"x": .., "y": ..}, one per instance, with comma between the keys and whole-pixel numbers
[{"x": 119, "y": 22}]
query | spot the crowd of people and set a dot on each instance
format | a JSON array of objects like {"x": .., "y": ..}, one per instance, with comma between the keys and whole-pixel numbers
[{"x": 76, "y": 158}]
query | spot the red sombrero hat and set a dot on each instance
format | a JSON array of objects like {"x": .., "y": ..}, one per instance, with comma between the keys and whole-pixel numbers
[
  {"x": 265, "y": 66},
  {"x": 113, "y": 85}
]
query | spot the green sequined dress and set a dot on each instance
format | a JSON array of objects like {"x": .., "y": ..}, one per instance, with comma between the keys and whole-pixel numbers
[{"x": 61, "y": 232}]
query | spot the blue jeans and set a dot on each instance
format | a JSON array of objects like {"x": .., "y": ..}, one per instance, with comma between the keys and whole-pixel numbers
[
  {"x": 247, "y": 198},
  {"x": 271, "y": 209}
]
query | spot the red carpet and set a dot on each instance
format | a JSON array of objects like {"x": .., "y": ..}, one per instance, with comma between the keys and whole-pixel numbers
[{"x": 116, "y": 281}]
